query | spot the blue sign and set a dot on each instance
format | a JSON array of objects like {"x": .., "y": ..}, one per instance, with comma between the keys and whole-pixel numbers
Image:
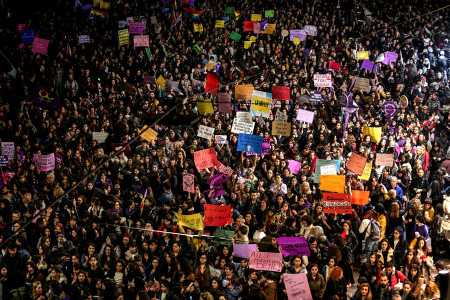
[
  {"x": 27, "y": 36},
  {"x": 315, "y": 96},
  {"x": 4, "y": 161},
  {"x": 250, "y": 143}
]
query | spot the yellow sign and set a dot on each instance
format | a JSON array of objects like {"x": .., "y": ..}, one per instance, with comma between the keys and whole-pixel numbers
[
  {"x": 194, "y": 221},
  {"x": 220, "y": 24},
  {"x": 256, "y": 17},
  {"x": 261, "y": 103},
  {"x": 373, "y": 132},
  {"x": 247, "y": 44},
  {"x": 124, "y": 37},
  {"x": 366, "y": 172},
  {"x": 362, "y": 55},
  {"x": 97, "y": 3},
  {"x": 161, "y": 82},
  {"x": 148, "y": 134},
  {"x": 253, "y": 38},
  {"x": 205, "y": 107},
  {"x": 296, "y": 41},
  {"x": 198, "y": 27},
  {"x": 270, "y": 29},
  {"x": 104, "y": 5},
  {"x": 332, "y": 183}
]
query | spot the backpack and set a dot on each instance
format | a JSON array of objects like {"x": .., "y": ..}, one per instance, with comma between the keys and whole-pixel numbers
[{"x": 375, "y": 230}]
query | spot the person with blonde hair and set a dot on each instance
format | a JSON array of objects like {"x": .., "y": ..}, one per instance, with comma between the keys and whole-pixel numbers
[
  {"x": 431, "y": 291},
  {"x": 363, "y": 293}
]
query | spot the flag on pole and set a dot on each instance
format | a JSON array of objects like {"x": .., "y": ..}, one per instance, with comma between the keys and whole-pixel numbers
[
  {"x": 194, "y": 13},
  {"x": 68, "y": 50}
]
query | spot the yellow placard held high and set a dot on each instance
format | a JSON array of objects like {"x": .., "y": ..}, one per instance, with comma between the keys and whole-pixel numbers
[
  {"x": 194, "y": 221},
  {"x": 332, "y": 183},
  {"x": 270, "y": 29},
  {"x": 256, "y": 17},
  {"x": 161, "y": 81},
  {"x": 148, "y": 134},
  {"x": 366, "y": 172},
  {"x": 247, "y": 44},
  {"x": 373, "y": 132},
  {"x": 205, "y": 107},
  {"x": 198, "y": 27},
  {"x": 362, "y": 55},
  {"x": 220, "y": 24}
]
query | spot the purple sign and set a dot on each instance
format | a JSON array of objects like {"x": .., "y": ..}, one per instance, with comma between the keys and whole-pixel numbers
[
  {"x": 4, "y": 161},
  {"x": 368, "y": 65},
  {"x": 218, "y": 179},
  {"x": 215, "y": 192},
  {"x": 306, "y": 52},
  {"x": 293, "y": 246},
  {"x": 297, "y": 33},
  {"x": 59, "y": 159},
  {"x": 389, "y": 57},
  {"x": 315, "y": 96},
  {"x": 243, "y": 250},
  {"x": 390, "y": 109}
]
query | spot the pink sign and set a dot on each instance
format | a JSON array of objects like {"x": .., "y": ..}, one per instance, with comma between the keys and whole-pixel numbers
[
  {"x": 141, "y": 41},
  {"x": 256, "y": 27},
  {"x": 224, "y": 169},
  {"x": 188, "y": 183},
  {"x": 40, "y": 46},
  {"x": 243, "y": 250},
  {"x": 294, "y": 166},
  {"x": 21, "y": 27},
  {"x": 305, "y": 116},
  {"x": 297, "y": 286},
  {"x": 45, "y": 162},
  {"x": 136, "y": 28},
  {"x": 266, "y": 261}
]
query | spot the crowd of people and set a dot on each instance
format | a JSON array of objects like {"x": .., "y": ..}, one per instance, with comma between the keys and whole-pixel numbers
[{"x": 100, "y": 225}]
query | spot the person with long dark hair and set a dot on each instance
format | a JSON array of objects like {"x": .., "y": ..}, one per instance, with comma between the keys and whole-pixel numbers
[{"x": 336, "y": 286}]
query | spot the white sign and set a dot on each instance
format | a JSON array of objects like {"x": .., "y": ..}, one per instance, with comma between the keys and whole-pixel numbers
[
  {"x": 8, "y": 149},
  {"x": 220, "y": 139},
  {"x": 328, "y": 170},
  {"x": 100, "y": 137},
  {"x": 206, "y": 132},
  {"x": 241, "y": 127},
  {"x": 280, "y": 117},
  {"x": 322, "y": 80},
  {"x": 244, "y": 117}
]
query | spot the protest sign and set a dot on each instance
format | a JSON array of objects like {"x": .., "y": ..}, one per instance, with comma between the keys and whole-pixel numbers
[
  {"x": 281, "y": 117},
  {"x": 212, "y": 83},
  {"x": 235, "y": 36},
  {"x": 228, "y": 10},
  {"x": 220, "y": 139},
  {"x": 171, "y": 84},
  {"x": 124, "y": 37},
  {"x": 310, "y": 30},
  {"x": 223, "y": 237},
  {"x": 256, "y": 17},
  {"x": 205, "y": 132},
  {"x": 297, "y": 34},
  {"x": 214, "y": 192},
  {"x": 192, "y": 221},
  {"x": 281, "y": 128},
  {"x": 362, "y": 55},
  {"x": 328, "y": 170},
  {"x": 243, "y": 91},
  {"x": 105, "y": 5},
  {"x": 224, "y": 102},
  {"x": 269, "y": 13},
  {"x": 141, "y": 41},
  {"x": 218, "y": 179},
  {"x": 366, "y": 172},
  {"x": 265, "y": 146},
  {"x": 383, "y": 159},
  {"x": 261, "y": 103},
  {"x": 315, "y": 97},
  {"x": 266, "y": 261},
  {"x": 243, "y": 250},
  {"x": 149, "y": 55},
  {"x": 27, "y": 36},
  {"x": 294, "y": 166},
  {"x": 293, "y": 246},
  {"x": 297, "y": 286},
  {"x": 281, "y": 92},
  {"x": 210, "y": 66},
  {"x": 305, "y": 116},
  {"x": 361, "y": 84},
  {"x": 250, "y": 143},
  {"x": 323, "y": 162},
  {"x": 368, "y": 65},
  {"x": 198, "y": 27},
  {"x": 389, "y": 57},
  {"x": 100, "y": 137},
  {"x": 360, "y": 197},
  {"x": 356, "y": 163},
  {"x": 247, "y": 44},
  {"x": 204, "y": 159},
  {"x": 205, "y": 107},
  {"x": 84, "y": 39},
  {"x": 334, "y": 66},
  {"x": 337, "y": 203},
  {"x": 153, "y": 20},
  {"x": 332, "y": 183},
  {"x": 322, "y": 80},
  {"x": 4, "y": 162},
  {"x": 121, "y": 147},
  {"x": 373, "y": 132},
  {"x": 40, "y": 46},
  {"x": 149, "y": 134},
  {"x": 188, "y": 182},
  {"x": 136, "y": 28},
  {"x": 8, "y": 149},
  {"x": 270, "y": 29},
  {"x": 248, "y": 25},
  {"x": 244, "y": 117},
  {"x": 21, "y": 27},
  {"x": 220, "y": 24},
  {"x": 217, "y": 215},
  {"x": 239, "y": 127},
  {"x": 45, "y": 163},
  {"x": 253, "y": 38},
  {"x": 224, "y": 169},
  {"x": 390, "y": 109}
]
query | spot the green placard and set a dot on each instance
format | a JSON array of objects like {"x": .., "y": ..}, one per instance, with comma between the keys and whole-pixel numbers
[
  {"x": 149, "y": 53},
  {"x": 235, "y": 36},
  {"x": 269, "y": 13},
  {"x": 229, "y": 10},
  {"x": 197, "y": 48},
  {"x": 226, "y": 234}
]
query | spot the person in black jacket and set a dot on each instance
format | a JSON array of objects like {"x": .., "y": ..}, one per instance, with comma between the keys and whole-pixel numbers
[
  {"x": 15, "y": 263},
  {"x": 336, "y": 286},
  {"x": 400, "y": 245}
]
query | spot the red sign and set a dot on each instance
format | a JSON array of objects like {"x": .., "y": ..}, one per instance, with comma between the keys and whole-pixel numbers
[
  {"x": 217, "y": 215},
  {"x": 281, "y": 92},
  {"x": 204, "y": 159},
  {"x": 337, "y": 203},
  {"x": 212, "y": 83}
]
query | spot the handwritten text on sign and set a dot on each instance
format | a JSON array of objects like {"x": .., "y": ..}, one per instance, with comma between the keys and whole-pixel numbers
[
  {"x": 216, "y": 215},
  {"x": 204, "y": 159},
  {"x": 293, "y": 246},
  {"x": 337, "y": 203},
  {"x": 322, "y": 80},
  {"x": 297, "y": 286},
  {"x": 266, "y": 261}
]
